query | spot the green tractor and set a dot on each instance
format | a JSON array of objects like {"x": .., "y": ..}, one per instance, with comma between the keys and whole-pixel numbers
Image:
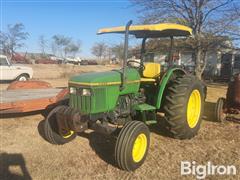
[{"x": 124, "y": 102}]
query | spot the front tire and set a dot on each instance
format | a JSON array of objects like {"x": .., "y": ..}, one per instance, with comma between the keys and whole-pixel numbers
[
  {"x": 51, "y": 129},
  {"x": 183, "y": 106},
  {"x": 132, "y": 145}
]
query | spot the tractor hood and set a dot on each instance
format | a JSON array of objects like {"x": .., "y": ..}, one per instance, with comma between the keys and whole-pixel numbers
[{"x": 105, "y": 78}]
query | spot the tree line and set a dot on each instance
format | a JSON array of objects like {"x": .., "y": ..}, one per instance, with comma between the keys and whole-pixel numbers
[
  {"x": 209, "y": 20},
  {"x": 59, "y": 45},
  {"x": 212, "y": 22}
]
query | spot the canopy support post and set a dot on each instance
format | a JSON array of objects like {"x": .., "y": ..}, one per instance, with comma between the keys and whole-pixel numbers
[
  {"x": 125, "y": 55},
  {"x": 143, "y": 49},
  {"x": 170, "y": 55}
]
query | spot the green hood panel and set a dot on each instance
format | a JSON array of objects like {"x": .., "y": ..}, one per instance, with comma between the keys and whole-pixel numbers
[
  {"x": 105, "y": 88},
  {"x": 105, "y": 78}
]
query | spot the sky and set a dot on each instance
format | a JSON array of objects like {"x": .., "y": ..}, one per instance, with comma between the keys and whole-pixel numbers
[{"x": 77, "y": 19}]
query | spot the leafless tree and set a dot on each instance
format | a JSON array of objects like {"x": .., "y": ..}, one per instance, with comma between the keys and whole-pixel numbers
[
  {"x": 13, "y": 38},
  {"x": 99, "y": 49},
  {"x": 207, "y": 18},
  {"x": 117, "y": 51},
  {"x": 42, "y": 44},
  {"x": 72, "y": 48},
  {"x": 60, "y": 42}
]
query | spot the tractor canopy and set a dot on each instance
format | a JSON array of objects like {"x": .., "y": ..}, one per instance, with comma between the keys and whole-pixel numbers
[{"x": 152, "y": 30}]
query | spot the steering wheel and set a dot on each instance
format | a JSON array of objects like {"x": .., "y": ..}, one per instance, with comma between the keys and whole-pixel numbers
[{"x": 140, "y": 67}]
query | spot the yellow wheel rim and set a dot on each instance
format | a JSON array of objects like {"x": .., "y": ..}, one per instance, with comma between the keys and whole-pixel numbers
[
  {"x": 68, "y": 135},
  {"x": 194, "y": 108},
  {"x": 139, "y": 147}
]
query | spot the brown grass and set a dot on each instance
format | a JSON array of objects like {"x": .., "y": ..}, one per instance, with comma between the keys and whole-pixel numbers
[{"x": 24, "y": 153}]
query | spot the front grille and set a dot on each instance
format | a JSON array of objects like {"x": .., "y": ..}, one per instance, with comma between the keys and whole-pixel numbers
[
  {"x": 100, "y": 99},
  {"x": 81, "y": 103},
  {"x": 89, "y": 104}
]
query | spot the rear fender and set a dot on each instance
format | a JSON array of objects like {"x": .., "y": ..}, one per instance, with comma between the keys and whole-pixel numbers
[{"x": 164, "y": 81}]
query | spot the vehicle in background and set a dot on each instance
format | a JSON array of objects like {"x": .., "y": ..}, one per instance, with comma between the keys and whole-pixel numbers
[
  {"x": 84, "y": 62},
  {"x": 11, "y": 71},
  {"x": 73, "y": 60},
  {"x": 20, "y": 59},
  {"x": 46, "y": 61},
  {"x": 92, "y": 62}
]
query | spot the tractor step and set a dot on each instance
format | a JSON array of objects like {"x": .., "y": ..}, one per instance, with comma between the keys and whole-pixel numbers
[
  {"x": 148, "y": 114},
  {"x": 144, "y": 107},
  {"x": 149, "y": 122}
]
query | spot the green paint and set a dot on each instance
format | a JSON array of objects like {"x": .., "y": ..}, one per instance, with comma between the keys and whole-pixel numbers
[
  {"x": 167, "y": 76},
  {"x": 144, "y": 107},
  {"x": 104, "y": 95}
]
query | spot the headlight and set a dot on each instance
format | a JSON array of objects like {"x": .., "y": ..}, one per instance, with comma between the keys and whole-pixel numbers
[
  {"x": 72, "y": 90},
  {"x": 86, "y": 92}
]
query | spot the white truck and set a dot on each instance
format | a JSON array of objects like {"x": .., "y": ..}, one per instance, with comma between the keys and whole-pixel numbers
[{"x": 9, "y": 71}]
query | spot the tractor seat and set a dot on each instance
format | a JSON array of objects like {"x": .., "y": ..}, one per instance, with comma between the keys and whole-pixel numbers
[{"x": 151, "y": 72}]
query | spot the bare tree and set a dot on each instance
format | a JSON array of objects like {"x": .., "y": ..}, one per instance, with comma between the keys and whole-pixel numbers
[
  {"x": 73, "y": 48},
  {"x": 207, "y": 18},
  {"x": 13, "y": 38},
  {"x": 54, "y": 48},
  {"x": 42, "y": 44},
  {"x": 117, "y": 51},
  {"x": 99, "y": 49},
  {"x": 60, "y": 42}
]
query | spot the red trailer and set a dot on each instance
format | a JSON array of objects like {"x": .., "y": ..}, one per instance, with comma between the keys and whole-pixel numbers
[{"x": 27, "y": 96}]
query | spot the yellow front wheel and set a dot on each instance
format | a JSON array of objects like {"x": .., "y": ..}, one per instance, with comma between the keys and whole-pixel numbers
[
  {"x": 132, "y": 145},
  {"x": 50, "y": 129},
  {"x": 139, "y": 147}
]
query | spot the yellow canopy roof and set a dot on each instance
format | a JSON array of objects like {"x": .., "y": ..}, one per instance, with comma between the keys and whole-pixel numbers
[{"x": 152, "y": 30}]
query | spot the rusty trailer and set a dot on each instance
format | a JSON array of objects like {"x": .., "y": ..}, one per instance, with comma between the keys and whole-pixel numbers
[{"x": 28, "y": 96}]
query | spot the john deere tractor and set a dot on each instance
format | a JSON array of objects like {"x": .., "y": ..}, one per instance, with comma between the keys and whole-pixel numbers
[{"x": 123, "y": 102}]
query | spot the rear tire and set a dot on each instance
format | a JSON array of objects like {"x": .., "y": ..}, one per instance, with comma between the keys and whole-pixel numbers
[
  {"x": 183, "y": 106},
  {"x": 132, "y": 145},
  {"x": 51, "y": 130},
  {"x": 219, "y": 115},
  {"x": 23, "y": 77}
]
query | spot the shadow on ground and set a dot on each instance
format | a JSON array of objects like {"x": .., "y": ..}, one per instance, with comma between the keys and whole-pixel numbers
[
  {"x": 209, "y": 111},
  {"x": 20, "y": 114},
  {"x": 103, "y": 145},
  {"x": 13, "y": 160}
]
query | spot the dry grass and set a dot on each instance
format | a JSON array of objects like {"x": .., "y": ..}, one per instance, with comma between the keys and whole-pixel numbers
[{"x": 90, "y": 155}]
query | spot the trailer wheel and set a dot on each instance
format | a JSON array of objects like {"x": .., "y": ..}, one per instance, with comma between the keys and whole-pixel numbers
[
  {"x": 132, "y": 145},
  {"x": 219, "y": 115},
  {"x": 183, "y": 106},
  {"x": 51, "y": 130}
]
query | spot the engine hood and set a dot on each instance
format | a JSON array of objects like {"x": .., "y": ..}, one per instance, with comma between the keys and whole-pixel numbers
[{"x": 104, "y": 78}]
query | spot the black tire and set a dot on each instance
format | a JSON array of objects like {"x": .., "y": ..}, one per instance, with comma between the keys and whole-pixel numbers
[
  {"x": 125, "y": 143},
  {"x": 23, "y": 77},
  {"x": 175, "y": 106},
  {"x": 51, "y": 129},
  {"x": 219, "y": 115}
]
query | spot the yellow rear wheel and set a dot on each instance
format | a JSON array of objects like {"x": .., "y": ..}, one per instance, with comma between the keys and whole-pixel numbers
[
  {"x": 194, "y": 108},
  {"x": 183, "y": 106}
]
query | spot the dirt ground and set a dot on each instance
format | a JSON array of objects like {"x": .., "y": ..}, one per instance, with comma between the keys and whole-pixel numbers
[{"x": 24, "y": 154}]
